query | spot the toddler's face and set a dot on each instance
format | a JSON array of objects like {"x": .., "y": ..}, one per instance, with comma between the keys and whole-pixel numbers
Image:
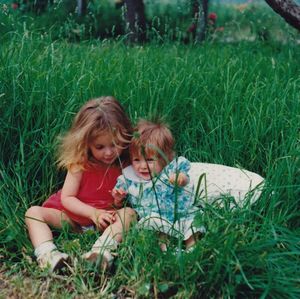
[
  {"x": 143, "y": 166},
  {"x": 104, "y": 148}
]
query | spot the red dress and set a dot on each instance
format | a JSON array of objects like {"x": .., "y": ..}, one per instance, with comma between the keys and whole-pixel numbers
[{"x": 95, "y": 190}]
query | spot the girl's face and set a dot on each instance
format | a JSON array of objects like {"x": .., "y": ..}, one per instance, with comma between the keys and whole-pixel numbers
[
  {"x": 143, "y": 167},
  {"x": 105, "y": 149}
]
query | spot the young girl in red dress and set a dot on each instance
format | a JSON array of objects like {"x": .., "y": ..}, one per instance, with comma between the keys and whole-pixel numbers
[{"x": 93, "y": 152}]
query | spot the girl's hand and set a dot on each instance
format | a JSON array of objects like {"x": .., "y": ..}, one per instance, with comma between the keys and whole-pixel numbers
[
  {"x": 103, "y": 218},
  {"x": 118, "y": 195},
  {"x": 180, "y": 180}
]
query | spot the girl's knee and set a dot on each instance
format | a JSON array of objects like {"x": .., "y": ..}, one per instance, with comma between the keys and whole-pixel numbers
[
  {"x": 125, "y": 216},
  {"x": 33, "y": 211},
  {"x": 128, "y": 212},
  {"x": 49, "y": 216}
]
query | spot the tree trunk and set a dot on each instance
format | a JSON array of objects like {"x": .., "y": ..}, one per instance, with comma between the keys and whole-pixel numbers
[
  {"x": 136, "y": 20},
  {"x": 203, "y": 12},
  {"x": 288, "y": 9},
  {"x": 200, "y": 8},
  {"x": 81, "y": 7}
]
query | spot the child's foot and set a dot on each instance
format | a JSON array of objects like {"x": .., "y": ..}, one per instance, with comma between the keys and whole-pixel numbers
[
  {"x": 104, "y": 255},
  {"x": 54, "y": 260},
  {"x": 190, "y": 249},
  {"x": 163, "y": 247},
  {"x": 180, "y": 251},
  {"x": 102, "y": 251}
]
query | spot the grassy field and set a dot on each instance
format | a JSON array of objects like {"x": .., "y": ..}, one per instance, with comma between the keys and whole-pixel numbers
[{"x": 234, "y": 103}]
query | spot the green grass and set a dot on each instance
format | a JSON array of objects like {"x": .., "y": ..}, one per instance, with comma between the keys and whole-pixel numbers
[{"x": 230, "y": 103}]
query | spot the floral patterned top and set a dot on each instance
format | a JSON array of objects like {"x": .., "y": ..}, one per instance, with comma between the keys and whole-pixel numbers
[{"x": 159, "y": 195}]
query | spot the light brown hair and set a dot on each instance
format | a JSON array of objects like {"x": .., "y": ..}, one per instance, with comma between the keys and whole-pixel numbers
[
  {"x": 153, "y": 138},
  {"x": 97, "y": 116}
]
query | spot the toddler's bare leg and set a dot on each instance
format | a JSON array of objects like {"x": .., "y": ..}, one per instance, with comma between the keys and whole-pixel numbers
[
  {"x": 190, "y": 242},
  {"x": 163, "y": 242}
]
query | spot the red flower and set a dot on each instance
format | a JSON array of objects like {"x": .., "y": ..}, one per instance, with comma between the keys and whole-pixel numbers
[
  {"x": 212, "y": 16},
  {"x": 192, "y": 28},
  {"x": 14, "y": 5}
]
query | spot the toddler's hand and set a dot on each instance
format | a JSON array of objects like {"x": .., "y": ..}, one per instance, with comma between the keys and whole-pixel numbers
[
  {"x": 182, "y": 179},
  {"x": 103, "y": 218},
  {"x": 118, "y": 195}
]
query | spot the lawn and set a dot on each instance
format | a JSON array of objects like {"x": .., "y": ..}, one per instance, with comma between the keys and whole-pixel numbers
[{"x": 234, "y": 102}]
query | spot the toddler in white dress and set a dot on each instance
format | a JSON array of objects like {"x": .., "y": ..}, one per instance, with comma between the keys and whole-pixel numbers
[{"x": 160, "y": 191}]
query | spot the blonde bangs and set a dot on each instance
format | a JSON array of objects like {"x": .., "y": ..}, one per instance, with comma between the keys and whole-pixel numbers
[{"x": 123, "y": 138}]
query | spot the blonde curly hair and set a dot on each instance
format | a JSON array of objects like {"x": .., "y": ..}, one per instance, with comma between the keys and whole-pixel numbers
[{"x": 97, "y": 116}]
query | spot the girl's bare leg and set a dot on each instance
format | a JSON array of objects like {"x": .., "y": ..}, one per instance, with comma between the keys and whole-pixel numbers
[
  {"x": 110, "y": 238},
  {"x": 124, "y": 217},
  {"x": 38, "y": 219}
]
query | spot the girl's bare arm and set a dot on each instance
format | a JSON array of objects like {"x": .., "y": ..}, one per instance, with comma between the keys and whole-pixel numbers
[{"x": 74, "y": 205}]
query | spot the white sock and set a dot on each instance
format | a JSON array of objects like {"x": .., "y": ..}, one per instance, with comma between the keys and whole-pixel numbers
[
  {"x": 105, "y": 242},
  {"x": 44, "y": 248}
]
